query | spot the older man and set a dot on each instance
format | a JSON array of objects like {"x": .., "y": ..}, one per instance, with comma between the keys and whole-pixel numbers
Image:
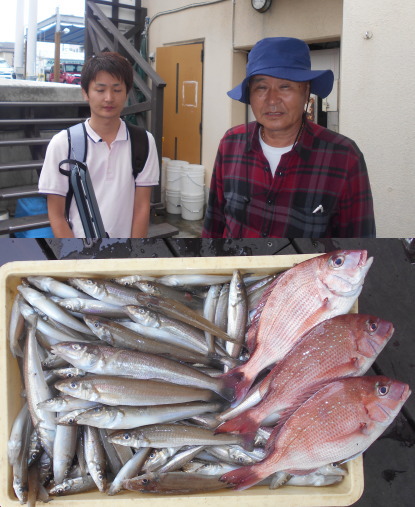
[{"x": 282, "y": 175}]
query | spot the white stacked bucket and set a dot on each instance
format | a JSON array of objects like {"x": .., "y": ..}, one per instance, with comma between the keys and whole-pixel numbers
[
  {"x": 192, "y": 192},
  {"x": 164, "y": 162},
  {"x": 173, "y": 185}
]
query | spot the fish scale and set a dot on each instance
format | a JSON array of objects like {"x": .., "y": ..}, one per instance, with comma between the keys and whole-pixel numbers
[
  {"x": 345, "y": 345},
  {"x": 308, "y": 293},
  {"x": 338, "y": 422}
]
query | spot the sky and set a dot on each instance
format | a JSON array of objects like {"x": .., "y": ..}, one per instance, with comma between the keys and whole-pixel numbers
[{"x": 45, "y": 9}]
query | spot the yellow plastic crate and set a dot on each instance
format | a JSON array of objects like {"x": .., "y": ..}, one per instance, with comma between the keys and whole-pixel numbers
[{"x": 345, "y": 493}]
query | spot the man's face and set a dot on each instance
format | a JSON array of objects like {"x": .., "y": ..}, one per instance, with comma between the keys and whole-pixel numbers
[
  {"x": 106, "y": 96},
  {"x": 278, "y": 104}
]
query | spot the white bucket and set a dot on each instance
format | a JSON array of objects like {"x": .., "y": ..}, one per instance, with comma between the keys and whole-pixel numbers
[
  {"x": 174, "y": 173},
  {"x": 192, "y": 206},
  {"x": 164, "y": 162},
  {"x": 173, "y": 202},
  {"x": 193, "y": 179}
]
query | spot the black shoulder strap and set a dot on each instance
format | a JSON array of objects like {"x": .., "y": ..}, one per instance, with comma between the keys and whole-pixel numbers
[
  {"x": 139, "y": 147},
  {"x": 77, "y": 150}
]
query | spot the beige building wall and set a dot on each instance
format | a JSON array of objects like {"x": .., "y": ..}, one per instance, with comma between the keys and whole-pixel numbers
[
  {"x": 375, "y": 75},
  {"x": 376, "y": 104}
]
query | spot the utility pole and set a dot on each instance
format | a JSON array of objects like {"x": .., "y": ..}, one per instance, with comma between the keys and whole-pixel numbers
[{"x": 56, "y": 67}]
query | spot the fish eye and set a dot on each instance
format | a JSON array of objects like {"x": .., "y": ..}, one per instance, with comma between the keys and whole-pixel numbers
[
  {"x": 145, "y": 481},
  {"x": 337, "y": 261},
  {"x": 73, "y": 385},
  {"x": 96, "y": 323},
  {"x": 382, "y": 390},
  {"x": 372, "y": 326},
  {"x": 71, "y": 420},
  {"x": 126, "y": 436},
  {"x": 152, "y": 454},
  {"x": 76, "y": 346}
]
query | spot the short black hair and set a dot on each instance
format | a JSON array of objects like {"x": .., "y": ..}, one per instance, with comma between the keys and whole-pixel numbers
[{"x": 111, "y": 62}]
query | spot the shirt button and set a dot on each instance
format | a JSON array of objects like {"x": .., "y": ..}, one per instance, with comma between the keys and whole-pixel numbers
[
  {"x": 264, "y": 234},
  {"x": 269, "y": 202}
]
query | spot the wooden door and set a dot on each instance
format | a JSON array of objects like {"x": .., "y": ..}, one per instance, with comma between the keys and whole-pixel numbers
[{"x": 181, "y": 67}]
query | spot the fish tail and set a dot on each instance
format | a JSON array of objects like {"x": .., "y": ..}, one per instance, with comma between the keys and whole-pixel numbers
[
  {"x": 237, "y": 379},
  {"x": 243, "y": 425},
  {"x": 242, "y": 478}
]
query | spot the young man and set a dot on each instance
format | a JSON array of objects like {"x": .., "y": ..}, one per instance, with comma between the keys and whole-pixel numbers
[
  {"x": 282, "y": 175},
  {"x": 124, "y": 203}
]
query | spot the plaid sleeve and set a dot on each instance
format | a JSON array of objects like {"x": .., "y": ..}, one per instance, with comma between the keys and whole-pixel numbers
[
  {"x": 214, "y": 223},
  {"x": 356, "y": 215}
]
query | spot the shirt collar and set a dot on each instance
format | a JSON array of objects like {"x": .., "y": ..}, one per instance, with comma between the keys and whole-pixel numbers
[
  {"x": 303, "y": 146},
  {"x": 122, "y": 134}
]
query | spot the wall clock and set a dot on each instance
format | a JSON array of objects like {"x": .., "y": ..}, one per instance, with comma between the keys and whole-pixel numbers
[{"x": 261, "y": 5}]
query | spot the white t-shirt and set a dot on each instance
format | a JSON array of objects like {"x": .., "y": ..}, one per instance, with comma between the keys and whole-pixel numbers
[
  {"x": 273, "y": 154},
  {"x": 111, "y": 175}
]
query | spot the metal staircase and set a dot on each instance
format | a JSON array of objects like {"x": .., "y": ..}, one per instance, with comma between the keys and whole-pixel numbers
[{"x": 26, "y": 127}]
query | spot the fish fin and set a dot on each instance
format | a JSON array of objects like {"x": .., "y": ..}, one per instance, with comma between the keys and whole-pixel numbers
[
  {"x": 229, "y": 385},
  {"x": 242, "y": 425},
  {"x": 234, "y": 378},
  {"x": 242, "y": 478},
  {"x": 251, "y": 335}
]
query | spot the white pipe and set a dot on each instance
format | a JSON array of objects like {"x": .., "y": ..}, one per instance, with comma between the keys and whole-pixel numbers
[
  {"x": 31, "y": 41},
  {"x": 19, "y": 40}
]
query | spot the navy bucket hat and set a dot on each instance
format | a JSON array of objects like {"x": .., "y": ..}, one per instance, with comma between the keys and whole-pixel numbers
[{"x": 284, "y": 58}]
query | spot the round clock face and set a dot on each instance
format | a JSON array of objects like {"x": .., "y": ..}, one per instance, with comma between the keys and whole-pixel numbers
[{"x": 261, "y": 5}]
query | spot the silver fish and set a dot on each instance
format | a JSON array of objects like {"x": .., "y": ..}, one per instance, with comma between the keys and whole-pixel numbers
[
  {"x": 174, "y": 483},
  {"x": 158, "y": 457},
  {"x": 63, "y": 450},
  {"x": 37, "y": 391},
  {"x": 180, "y": 459},
  {"x": 51, "y": 309},
  {"x": 65, "y": 403},
  {"x": 118, "y": 335},
  {"x": 221, "y": 314},
  {"x": 107, "y": 360},
  {"x": 73, "y": 486},
  {"x": 106, "y": 291},
  {"x": 92, "y": 306},
  {"x": 160, "y": 327},
  {"x": 209, "y": 310},
  {"x": 16, "y": 327},
  {"x": 159, "y": 289},
  {"x": 113, "y": 391},
  {"x": 237, "y": 314},
  {"x": 95, "y": 457},
  {"x": 129, "y": 470},
  {"x": 20, "y": 466},
  {"x": 14, "y": 444},
  {"x": 126, "y": 417},
  {"x": 172, "y": 435},
  {"x": 53, "y": 286},
  {"x": 183, "y": 280}
]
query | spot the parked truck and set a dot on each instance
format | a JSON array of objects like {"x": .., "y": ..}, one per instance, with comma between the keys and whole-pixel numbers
[{"x": 69, "y": 73}]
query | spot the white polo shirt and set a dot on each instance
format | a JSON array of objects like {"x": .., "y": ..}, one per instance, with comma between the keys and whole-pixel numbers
[{"x": 111, "y": 175}]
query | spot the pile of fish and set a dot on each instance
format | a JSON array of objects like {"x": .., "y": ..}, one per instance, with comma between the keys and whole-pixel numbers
[{"x": 185, "y": 383}]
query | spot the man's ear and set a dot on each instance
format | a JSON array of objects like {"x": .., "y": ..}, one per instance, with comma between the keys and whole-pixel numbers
[{"x": 85, "y": 95}]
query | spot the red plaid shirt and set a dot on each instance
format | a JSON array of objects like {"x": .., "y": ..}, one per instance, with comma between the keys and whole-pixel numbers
[{"x": 325, "y": 171}]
